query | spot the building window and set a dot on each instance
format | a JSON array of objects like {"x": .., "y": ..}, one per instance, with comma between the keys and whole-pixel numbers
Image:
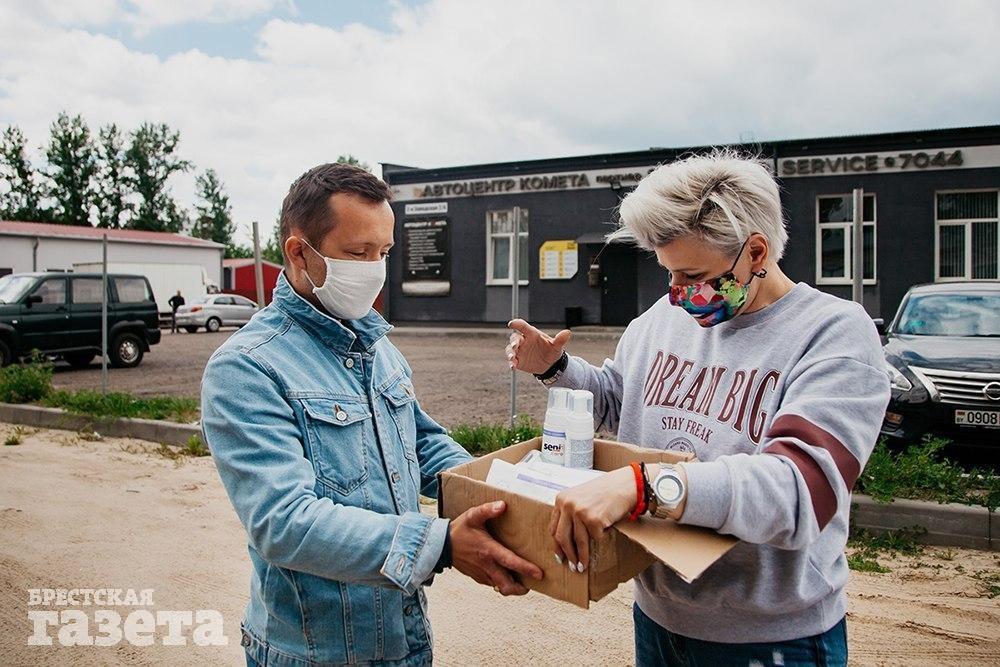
[
  {"x": 835, "y": 239},
  {"x": 499, "y": 241},
  {"x": 968, "y": 243}
]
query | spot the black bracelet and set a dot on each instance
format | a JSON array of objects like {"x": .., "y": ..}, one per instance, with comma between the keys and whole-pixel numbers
[{"x": 555, "y": 368}]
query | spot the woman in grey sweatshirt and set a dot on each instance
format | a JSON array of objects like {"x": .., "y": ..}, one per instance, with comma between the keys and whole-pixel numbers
[{"x": 778, "y": 389}]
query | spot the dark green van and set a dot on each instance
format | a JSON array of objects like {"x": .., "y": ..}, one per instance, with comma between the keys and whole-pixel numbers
[{"x": 60, "y": 314}]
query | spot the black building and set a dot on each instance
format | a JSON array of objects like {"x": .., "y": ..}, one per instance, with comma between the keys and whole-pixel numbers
[{"x": 930, "y": 214}]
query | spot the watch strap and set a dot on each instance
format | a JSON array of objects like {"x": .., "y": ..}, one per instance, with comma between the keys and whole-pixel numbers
[{"x": 555, "y": 370}]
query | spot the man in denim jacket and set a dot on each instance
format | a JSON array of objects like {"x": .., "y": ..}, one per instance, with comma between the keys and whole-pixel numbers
[{"x": 312, "y": 420}]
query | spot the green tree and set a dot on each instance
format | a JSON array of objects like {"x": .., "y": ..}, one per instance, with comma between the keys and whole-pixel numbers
[
  {"x": 152, "y": 158},
  {"x": 21, "y": 199},
  {"x": 271, "y": 251},
  {"x": 234, "y": 250},
  {"x": 350, "y": 159},
  {"x": 113, "y": 186},
  {"x": 213, "y": 214},
  {"x": 72, "y": 165}
]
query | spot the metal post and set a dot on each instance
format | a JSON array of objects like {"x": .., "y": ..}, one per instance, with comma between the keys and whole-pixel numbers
[
  {"x": 857, "y": 265},
  {"x": 515, "y": 249},
  {"x": 258, "y": 269},
  {"x": 104, "y": 314}
]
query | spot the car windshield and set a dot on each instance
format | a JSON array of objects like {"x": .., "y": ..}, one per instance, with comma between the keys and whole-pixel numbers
[
  {"x": 13, "y": 287},
  {"x": 959, "y": 314}
]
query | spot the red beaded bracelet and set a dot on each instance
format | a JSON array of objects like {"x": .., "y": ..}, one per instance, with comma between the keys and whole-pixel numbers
[{"x": 640, "y": 493}]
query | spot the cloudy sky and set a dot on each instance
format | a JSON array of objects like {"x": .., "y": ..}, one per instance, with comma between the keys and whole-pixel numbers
[{"x": 263, "y": 89}]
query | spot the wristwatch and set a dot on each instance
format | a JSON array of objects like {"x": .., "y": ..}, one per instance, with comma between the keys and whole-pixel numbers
[
  {"x": 669, "y": 490},
  {"x": 555, "y": 371}
]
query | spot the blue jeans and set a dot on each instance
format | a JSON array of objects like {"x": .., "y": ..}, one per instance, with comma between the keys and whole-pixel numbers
[{"x": 656, "y": 646}]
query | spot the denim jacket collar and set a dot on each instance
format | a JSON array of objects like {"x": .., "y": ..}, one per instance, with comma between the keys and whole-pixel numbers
[{"x": 332, "y": 332}]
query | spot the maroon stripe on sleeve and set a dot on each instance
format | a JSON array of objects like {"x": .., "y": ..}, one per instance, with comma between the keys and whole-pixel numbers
[
  {"x": 794, "y": 426},
  {"x": 824, "y": 500}
]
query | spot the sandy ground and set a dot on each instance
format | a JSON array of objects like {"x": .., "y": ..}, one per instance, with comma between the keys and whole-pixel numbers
[
  {"x": 457, "y": 379},
  {"x": 117, "y": 514}
]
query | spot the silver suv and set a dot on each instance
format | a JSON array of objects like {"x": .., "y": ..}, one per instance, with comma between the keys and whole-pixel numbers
[{"x": 215, "y": 311}]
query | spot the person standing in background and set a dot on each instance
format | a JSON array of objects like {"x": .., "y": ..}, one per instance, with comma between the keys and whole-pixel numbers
[{"x": 176, "y": 301}]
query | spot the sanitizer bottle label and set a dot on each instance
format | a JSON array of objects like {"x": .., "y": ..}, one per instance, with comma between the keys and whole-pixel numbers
[
  {"x": 580, "y": 453},
  {"x": 553, "y": 446}
]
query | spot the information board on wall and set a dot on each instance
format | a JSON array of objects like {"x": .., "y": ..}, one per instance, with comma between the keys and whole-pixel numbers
[
  {"x": 557, "y": 260},
  {"x": 426, "y": 258}
]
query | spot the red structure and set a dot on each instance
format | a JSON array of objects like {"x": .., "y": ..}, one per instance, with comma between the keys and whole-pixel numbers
[{"x": 238, "y": 278}]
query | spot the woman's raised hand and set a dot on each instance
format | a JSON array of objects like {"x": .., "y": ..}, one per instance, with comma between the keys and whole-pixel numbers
[{"x": 532, "y": 351}]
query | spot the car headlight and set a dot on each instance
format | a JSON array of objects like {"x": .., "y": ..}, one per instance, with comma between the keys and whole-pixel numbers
[{"x": 896, "y": 379}]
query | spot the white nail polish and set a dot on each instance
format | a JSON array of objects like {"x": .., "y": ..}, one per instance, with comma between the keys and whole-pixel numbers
[
  {"x": 579, "y": 567},
  {"x": 572, "y": 566},
  {"x": 558, "y": 558}
]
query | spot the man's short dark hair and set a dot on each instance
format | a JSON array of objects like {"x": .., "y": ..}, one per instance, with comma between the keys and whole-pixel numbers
[{"x": 306, "y": 207}]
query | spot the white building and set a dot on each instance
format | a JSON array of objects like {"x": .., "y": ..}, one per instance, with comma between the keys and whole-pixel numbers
[{"x": 168, "y": 260}]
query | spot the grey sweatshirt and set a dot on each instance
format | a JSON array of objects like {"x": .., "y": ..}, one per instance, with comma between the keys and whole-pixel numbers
[{"x": 782, "y": 408}]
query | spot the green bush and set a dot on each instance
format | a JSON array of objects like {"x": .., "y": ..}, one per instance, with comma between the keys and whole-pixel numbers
[
  {"x": 115, "y": 404},
  {"x": 24, "y": 383},
  {"x": 481, "y": 438},
  {"x": 921, "y": 472}
]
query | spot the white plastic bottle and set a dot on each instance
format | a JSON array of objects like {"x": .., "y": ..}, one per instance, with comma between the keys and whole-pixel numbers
[
  {"x": 554, "y": 427},
  {"x": 580, "y": 431}
]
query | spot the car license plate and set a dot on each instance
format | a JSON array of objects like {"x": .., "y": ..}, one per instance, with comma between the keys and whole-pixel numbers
[{"x": 985, "y": 418}]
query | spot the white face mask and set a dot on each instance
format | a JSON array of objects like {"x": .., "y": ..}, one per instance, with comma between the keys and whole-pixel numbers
[{"x": 351, "y": 286}]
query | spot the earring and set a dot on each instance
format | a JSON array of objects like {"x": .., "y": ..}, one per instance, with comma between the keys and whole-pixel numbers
[{"x": 761, "y": 273}]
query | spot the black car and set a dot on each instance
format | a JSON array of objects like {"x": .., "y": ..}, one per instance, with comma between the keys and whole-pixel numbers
[
  {"x": 59, "y": 314},
  {"x": 943, "y": 354}
]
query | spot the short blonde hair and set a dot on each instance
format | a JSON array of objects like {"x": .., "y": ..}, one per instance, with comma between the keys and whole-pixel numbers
[{"x": 722, "y": 197}]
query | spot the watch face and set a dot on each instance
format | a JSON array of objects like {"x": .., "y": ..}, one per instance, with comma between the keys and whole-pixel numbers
[{"x": 668, "y": 490}]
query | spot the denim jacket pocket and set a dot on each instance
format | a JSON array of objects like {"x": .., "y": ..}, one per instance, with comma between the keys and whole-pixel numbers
[
  {"x": 402, "y": 402},
  {"x": 335, "y": 431}
]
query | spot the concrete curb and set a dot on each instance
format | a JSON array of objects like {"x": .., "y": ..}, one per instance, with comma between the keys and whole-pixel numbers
[
  {"x": 947, "y": 524},
  {"x": 167, "y": 433}
]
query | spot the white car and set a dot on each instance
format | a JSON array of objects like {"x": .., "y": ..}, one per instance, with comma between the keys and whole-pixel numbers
[{"x": 214, "y": 311}]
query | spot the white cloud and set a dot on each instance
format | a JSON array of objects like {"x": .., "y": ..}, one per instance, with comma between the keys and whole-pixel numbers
[{"x": 459, "y": 82}]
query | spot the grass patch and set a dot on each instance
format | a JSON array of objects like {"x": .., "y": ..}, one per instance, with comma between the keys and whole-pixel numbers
[
  {"x": 483, "y": 438},
  {"x": 865, "y": 547},
  {"x": 989, "y": 582},
  {"x": 25, "y": 383},
  {"x": 921, "y": 472},
  {"x": 116, "y": 404},
  {"x": 31, "y": 382},
  {"x": 15, "y": 438},
  {"x": 195, "y": 447}
]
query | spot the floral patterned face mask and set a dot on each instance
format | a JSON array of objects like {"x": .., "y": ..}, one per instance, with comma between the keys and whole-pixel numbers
[{"x": 714, "y": 301}]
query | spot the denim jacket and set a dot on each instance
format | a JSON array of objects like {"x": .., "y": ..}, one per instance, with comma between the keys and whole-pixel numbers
[{"x": 323, "y": 450}]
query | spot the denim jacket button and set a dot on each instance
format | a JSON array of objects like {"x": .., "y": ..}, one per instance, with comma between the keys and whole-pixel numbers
[
  {"x": 245, "y": 641},
  {"x": 341, "y": 415},
  {"x": 349, "y": 362},
  {"x": 395, "y": 476},
  {"x": 408, "y": 609}
]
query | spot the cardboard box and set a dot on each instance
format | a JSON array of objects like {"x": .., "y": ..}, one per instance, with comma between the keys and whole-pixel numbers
[{"x": 620, "y": 555}]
